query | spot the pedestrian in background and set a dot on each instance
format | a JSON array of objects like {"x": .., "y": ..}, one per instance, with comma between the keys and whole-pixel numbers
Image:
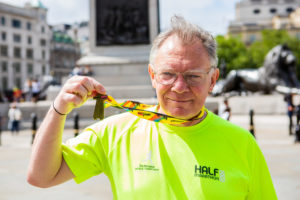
[
  {"x": 224, "y": 110},
  {"x": 27, "y": 90},
  {"x": 297, "y": 129},
  {"x": 290, "y": 111},
  {"x": 14, "y": 116},
  {"x": 36, "y": 89}
]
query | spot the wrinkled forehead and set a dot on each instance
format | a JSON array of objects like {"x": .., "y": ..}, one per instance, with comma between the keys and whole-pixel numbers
[{"x": 174, "y": 54}]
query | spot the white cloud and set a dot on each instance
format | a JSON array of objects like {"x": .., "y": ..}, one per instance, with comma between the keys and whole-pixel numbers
[
  {"x": 64, "y": 11},
  {"x": 212, "y": 15},
  {"x": 67, "y": 11}
]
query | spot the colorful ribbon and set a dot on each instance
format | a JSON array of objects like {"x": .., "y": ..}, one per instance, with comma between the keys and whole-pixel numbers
[{"x": 139, "y": 110}]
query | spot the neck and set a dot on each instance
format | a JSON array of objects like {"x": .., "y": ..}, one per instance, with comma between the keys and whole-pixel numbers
[
  {"x": 188, "y": 123},
  {"x": 193, "y": 122}
]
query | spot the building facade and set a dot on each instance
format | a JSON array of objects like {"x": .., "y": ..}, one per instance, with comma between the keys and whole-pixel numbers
[
  {"x": 64, "y": 52},
  {"x": 24, "y": 44},
  {"x": 252, "y": 16},
  {"x": 80, "y": 33}
]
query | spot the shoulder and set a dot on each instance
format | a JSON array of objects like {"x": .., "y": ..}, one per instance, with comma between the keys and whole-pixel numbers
[
  {"x": 116, "y": 124},
  {"x": 228, "y": 129}
]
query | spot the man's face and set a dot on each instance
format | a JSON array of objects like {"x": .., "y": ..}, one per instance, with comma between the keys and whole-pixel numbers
[{"x": 180, "y": 99}]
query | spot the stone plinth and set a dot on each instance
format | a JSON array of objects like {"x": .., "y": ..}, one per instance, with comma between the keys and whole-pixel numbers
[
  {"x": 121, "y": 77},
  {"x": 118, "y": 60}
]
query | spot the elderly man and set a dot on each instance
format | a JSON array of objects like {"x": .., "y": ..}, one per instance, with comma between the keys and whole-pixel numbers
[{"x": 204, "y": 157}]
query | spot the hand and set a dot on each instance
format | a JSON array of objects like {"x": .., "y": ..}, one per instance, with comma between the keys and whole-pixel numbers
[{"x": 75, "y": 92}]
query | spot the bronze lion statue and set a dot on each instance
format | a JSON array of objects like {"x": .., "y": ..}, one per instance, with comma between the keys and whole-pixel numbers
[{"x": 277, "y": 74}]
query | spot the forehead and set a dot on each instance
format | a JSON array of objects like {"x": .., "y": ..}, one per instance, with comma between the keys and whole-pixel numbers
[{"x": 175, "y": 54}]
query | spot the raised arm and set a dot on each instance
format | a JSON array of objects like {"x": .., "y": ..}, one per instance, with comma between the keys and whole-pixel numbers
[{"x": 47, "y": 167}]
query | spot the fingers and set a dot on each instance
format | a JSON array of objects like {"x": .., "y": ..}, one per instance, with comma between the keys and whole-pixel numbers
[
  {"x": 84, "y": 86},
  {"x": 98, "y": 87},
  {"x": 76, "y": 91}
]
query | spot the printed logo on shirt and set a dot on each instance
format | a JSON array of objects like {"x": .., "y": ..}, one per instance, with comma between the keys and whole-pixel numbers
[
  {"x": 210, "y": 173},
  {"x": 147, "y": 164}
]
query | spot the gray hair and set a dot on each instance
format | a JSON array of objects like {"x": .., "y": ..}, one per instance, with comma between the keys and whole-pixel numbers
[{"x": 188, "y": 33}]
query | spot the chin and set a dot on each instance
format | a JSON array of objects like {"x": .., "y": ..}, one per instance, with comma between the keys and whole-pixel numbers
[{"x": 182, "y": 114}]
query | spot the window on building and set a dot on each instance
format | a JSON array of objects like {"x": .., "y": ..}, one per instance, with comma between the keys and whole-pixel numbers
[
  {"x": 252, "y": 38},
  {"x": 43, "y": 29},
  {"x": 3, "y": 36},
  {"x": 256, "y": 1},
  {"x": 4, "y": 83},
  {"x": 29, "y": 68},
  {"x": 256, "y": 11},
  {"x": 18, "y": 82},
  {"x": 29, "y": 53},
  {"x": 16, "y": 23},
  {"x": 289, "y": 1},
  {"x": 28, "y": 26},
  {"x": 17, "y": 52},
  {"x": 273, "y": 10},
  {"x": 17, "y": 38},
  {"x": 43, "y": 42},
  {"x": 289, "y": 9},
  {"x": 4, "y": 66},
  {"x": 42, "y": 17},
  {"x": 29, "y": 40},
  {"x": 3, "y": 50},
  {"x": 3, "y": 21},
  {"x": 16, "y": 67},
  {"x": 44, "y": 70},
  {"x": 43, "y": 54}
]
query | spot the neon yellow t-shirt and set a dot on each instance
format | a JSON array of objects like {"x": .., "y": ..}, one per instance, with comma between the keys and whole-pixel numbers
[{"x": 147, "y": 160}]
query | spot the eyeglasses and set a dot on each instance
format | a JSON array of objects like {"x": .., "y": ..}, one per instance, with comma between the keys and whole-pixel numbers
[{"x": 192, "y": 78}]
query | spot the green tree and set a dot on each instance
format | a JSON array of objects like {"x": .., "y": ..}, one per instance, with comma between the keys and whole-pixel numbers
[
  {"x": 233, "y": 52},
  {"x": 270, "y": 38},
  {"x": 238, "y": 56}
]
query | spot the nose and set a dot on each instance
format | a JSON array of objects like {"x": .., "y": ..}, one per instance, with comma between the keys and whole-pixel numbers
[{"x": 180, "y": 85}]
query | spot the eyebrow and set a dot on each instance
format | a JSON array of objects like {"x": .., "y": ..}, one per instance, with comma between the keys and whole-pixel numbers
[{"x": 188, "y": 71}]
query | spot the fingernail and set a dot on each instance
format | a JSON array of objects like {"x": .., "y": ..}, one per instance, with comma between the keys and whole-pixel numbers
[{"x": 102, "y": 91}]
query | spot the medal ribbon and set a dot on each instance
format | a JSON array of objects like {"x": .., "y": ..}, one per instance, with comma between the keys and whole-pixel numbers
[{"x": 138, "y": 109}]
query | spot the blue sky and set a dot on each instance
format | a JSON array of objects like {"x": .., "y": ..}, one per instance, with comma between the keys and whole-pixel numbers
[{"x": 212, "y": 15}]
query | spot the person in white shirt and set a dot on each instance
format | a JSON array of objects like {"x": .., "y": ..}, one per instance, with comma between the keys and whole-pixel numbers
[
  {"x": 225, "y": 110},
  {"x": 15, "y": 116}
]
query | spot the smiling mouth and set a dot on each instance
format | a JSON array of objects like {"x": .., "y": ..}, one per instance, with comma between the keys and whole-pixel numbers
[{"x": 179, "y": 100}]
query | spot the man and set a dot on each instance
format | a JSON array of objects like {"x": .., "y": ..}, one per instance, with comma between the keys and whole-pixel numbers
[
  {"x": 14, "y": 116},
  {"x": 224, "y": 110},
  {"x": 203, "y": 158}
]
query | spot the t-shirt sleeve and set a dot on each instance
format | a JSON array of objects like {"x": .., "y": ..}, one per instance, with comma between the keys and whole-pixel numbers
[
  {"x": 84, "y": 155},
  {"x": 261, "y": 185}
]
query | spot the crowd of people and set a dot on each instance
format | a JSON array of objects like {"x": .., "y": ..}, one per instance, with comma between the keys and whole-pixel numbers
[{"x": 30, "y": 92}]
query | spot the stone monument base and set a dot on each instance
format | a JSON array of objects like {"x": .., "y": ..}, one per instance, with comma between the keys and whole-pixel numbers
[{"x": 123, "y": 77}]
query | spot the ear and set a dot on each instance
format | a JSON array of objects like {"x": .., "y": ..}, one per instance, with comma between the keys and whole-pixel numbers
[
  {"x": 214, "y": 77},
  {"x": 151, "y": 73}
]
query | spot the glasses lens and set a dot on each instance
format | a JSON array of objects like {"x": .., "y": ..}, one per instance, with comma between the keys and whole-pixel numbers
[
  {"x": 194, "y": 79},
  {"x": 191, "y": 78},
  {"x": 166, "y": 78}
]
